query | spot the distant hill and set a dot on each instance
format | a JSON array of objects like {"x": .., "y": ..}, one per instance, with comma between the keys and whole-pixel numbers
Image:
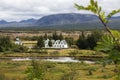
[
  {"x": 22, "y": 23},
  {"x": 31, "y": 21},
  {"x": 3, "y": 22},
  {"x": 75, "y": 21},
  {"x": 63, "y": 21}
]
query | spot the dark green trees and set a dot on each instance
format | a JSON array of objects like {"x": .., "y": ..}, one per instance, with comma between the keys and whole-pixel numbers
[
  {"x": 50, "y": 43},
  {"x": 61, "y": 36},
  {"x": 88, "y": 41},
  {"x": 82, "y": 42},
  {"x": 41, "y": 39},
  {"x": 70, "y": 41},
  {"x": 55, "y": 36},
  {"x": 94, "y": 38},
  {"x": 20, "y": 48},
  {"x": 40, "y": 42},
  {"x": 45, "y": 36},
  {"x": 5, "y": 44}
]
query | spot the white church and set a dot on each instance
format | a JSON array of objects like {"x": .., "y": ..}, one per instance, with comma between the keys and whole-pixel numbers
[
  {"x": 55, "y": 44},
  {"x": 18, "y": 41}
]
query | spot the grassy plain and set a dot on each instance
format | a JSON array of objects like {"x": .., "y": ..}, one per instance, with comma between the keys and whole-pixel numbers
[
  {"x": 16, "y": 70},
  {"x": 54, "y": 52}
]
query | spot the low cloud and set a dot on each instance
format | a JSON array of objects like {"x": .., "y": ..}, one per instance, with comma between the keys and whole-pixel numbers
[{"x": 22, "y": 9}]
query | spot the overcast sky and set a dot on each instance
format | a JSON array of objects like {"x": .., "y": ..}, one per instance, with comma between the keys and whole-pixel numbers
[{"x": 11, "y": 10}]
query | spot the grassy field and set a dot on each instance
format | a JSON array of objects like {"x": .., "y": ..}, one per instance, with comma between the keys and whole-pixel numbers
[
  {"x": 54, "y": 52},
  {"x": 14, "y": 70}
]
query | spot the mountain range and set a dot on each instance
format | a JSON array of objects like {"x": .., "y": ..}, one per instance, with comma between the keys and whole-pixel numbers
[{"x": 63, "y": 21}]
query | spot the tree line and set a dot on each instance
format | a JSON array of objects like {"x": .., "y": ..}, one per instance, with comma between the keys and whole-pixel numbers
[
  {"x": 84, "y": 41},
  {"x": 88, "y": 41},
  {"x": 6, "y": 44}
]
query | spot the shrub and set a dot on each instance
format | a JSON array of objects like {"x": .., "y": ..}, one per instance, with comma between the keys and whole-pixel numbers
[
  {"x": 69, "y": 76},
  {"x": 90, "y": 72},
  {"x": 2, "y": 77},
  {"x": 73, "y": 53},
  {"x": 36, "y": 71},
  {"x": 38, "y": 51},
  {"x": 74, "y": 46},
  {"x": 54, "y": 53},
  {"x": 106, "y": 76},
  {"x": 20, "y": 48},
  {"x": 5, "y": 44},
  {"x": 118, "y": 76}
]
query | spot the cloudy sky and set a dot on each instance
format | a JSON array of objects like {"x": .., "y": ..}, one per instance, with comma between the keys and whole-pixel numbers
[{"x": 11, "y": 10}]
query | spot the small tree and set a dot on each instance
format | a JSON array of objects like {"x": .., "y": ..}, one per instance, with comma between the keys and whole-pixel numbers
[
  {"x": 50, "y": 43},
  {"x": 70, "y": 41},
  {"x": 5, "y": 44},
  {"x": 61, "y": 36},
  {"x": 2, "y": 76},
  {"x": 36, "y": 71},
  {"x": 20, "y": 48},
  {"x": 55, "y": 36},
  {"x": 82, "y": 42},
  {"x": 45, "y": 36},
  {"x": 40, "y": 42},
  {"x": 93, "y": 39}
]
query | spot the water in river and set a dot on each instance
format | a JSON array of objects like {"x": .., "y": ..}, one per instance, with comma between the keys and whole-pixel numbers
[{"x": 59, "y": 59}]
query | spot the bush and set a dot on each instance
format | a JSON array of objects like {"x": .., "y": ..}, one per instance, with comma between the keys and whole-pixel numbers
[
  {"x": 106, "y": 76},
  {"x": 74, "y": 46},
  {"x": 8, "y": 52},
  {"x": 38, "y": 51},
  {"x": 19, "y": 48},
  {"x": 5, "y": 44},
  {"x": 54, "y": 53},
  {"x": 73, "y": 53},
  {"x": 69, "y": 76},
  {"x": 90, "y": 72},
  {"x": 36, "y": 71},
  {"x": 118, "y": 76},
  {"x": 40, "y": 42},
  {"x": 49, "y": 65},
  {"x": 2, "y": 77}
]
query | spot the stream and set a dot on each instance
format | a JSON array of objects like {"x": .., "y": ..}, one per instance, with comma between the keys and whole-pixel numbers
[{"x": 58, "y": 59}]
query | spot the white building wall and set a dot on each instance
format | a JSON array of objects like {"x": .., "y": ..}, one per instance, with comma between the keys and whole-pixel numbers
[
  {"x": 18, "y": 42},
  {"x": 56, "y": 44}
]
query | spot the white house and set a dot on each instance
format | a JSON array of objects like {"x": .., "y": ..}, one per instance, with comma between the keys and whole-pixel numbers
[
  {"x": 18, "y": 41},
  {"x": 56, "y": 44},
  {"x": 46, "y": 43}
]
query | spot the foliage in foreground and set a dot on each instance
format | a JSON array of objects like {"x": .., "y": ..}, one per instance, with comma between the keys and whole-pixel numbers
[
  {"x": 109, "y": 43},
  {"x": 12, "y": 70},
  {"x": 36, "y": 71}
]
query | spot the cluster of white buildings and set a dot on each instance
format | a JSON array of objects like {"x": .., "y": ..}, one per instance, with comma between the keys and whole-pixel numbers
[{"x": 54, "y": 43}]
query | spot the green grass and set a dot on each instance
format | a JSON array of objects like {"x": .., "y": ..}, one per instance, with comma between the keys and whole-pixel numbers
[
  {"x": 54, "y": 52},
  {"x": 57, "y": 71}
]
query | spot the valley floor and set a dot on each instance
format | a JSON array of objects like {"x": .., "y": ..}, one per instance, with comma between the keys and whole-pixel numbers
[{"x": 16, "y": 70}]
